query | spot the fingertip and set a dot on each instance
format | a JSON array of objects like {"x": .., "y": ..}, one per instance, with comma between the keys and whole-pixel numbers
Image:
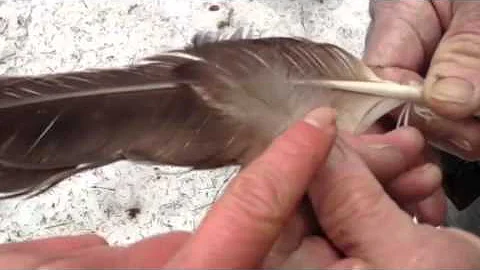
[
  {"x": 384, "y": 160},
  {"x": 309, "y": 140},
  {"x": 421, "y": 194},
  {"x": 390, "y": 154},
  {"x": 416, "y": 185},
  {"x": 433, "y": 210},
  {"x": 453, "y": 97},
  {"x": 409, "y": 139},
  {"x": 321, "y": 117},
  {"x": 411, "y": 133},
  {"x": 434, "y": 172}
]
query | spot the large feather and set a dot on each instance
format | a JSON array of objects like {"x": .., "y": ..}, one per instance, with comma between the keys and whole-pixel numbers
[{"x": 209, "y": 105}]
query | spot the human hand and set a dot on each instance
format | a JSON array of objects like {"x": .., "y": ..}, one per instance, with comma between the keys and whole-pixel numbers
[
  {"x": 438, "y": 40},
  {"x": 367, "y": 229},
  {"x": 242, "y": 226}
]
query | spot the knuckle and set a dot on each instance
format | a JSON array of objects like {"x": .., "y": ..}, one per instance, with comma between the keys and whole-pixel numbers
[
  {"x": 461, "y": 48},
  {"x": 361, "y": 203}
]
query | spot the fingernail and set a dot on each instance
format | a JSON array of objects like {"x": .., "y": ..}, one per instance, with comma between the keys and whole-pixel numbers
[
  {"x": 378, "y": 146},
  {"x": 453, "y": 90},
  {"x": 462, "y": 144},
  {"x": 384, "y": 150},
  {"x": 432, "y": 170},
  {"x": 320, "y": 118}
]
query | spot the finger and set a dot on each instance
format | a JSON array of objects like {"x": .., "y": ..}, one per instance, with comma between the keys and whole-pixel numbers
[
  {"x": 459, "y": 137},
  {"x": 149, "y": 253},
  {"x": 393, "y": 158},
  {"x": 452, "y": 85},
  {"x": 350, "y": 263},
  {"x": 416, "y": 185},
  {"x": 354, "y": 210},
  {"x": 388, "y": 155},
  {"x": 242, "y": 226},
  {"x": 313, "y": 253},
  {"x": 399, "y": 43},
  {"x": 54, "y": 244},
  {"x": 419, "y": 192},
  {"x": 301, "y": 225},
  {"x": 33, "y": 253},
  {"x": 433, "y": 210}
]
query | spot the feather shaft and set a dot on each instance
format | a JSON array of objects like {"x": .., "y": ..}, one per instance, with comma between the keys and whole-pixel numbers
[
  {"x": 383, "y": 89},
  {"x": 386, "y": 89}
]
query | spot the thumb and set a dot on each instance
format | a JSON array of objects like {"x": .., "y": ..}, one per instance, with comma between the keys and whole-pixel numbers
[
  {"x": 452, "y": 85},
  {"x": 355, "y": 212}
]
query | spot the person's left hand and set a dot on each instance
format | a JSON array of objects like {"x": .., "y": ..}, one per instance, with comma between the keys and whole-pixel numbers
[{"x": 256, "y": 223}]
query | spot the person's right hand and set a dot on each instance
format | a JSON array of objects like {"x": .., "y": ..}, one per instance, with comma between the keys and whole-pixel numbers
[{"x": 439, "y": 41}]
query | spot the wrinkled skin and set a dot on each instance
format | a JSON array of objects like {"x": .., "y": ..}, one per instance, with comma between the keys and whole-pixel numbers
[
  {"x": 257, "y": 222},
  {"x": 437, "y": 42}
]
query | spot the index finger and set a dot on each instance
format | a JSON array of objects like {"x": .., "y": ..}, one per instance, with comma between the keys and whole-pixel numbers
[{"x": 243, "y": 225}]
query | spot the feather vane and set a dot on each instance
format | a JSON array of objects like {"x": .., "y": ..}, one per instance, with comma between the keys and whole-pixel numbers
[{"x": 217, "y": 103}]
